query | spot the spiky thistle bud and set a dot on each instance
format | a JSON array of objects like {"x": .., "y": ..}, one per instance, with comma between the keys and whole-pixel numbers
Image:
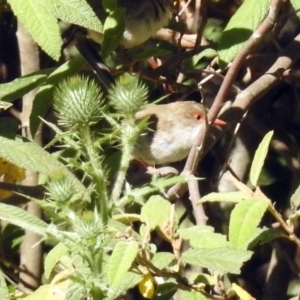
[
  {"x": 78, "y": 101},
  {"x": 128, "y": 95}
]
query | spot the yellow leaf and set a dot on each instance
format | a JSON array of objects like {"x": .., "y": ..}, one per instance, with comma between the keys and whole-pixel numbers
[
  {"x": 146, "y": 286},
  {"x": 241, "y": 292},
  {"x": 11, "y": 174}
]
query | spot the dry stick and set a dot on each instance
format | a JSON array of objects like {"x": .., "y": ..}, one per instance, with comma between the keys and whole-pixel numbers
[
  {"x": 31, "y": 248},
  {"x": 242, "y": 101}
]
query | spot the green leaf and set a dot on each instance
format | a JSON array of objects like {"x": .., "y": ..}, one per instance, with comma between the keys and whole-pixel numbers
[
  {"x": 17, "y": 88},
  {"x": 296, "y": 6},
  {"x": 42, "y": 293},
  {"x": 244, "y": 220},
  {"x": 162, "y": 259},
  {"x": 295, "y": 199},
  {"x": 259, "y": 158},
  {"x": 36, "y": 17},
  {"x": 155, "y": 212},
  {"x": 192, "y": 295},
  {"x": 54, "y": 257},
  {"x": 200, "y": 237},
  {"x": 113, "y": 31},
  {"x": 223, "y": 260},
  {"x": 44, "y": 96},
  {"x": 233, "y": 197},
  {"x": 263, "y": 236},
  {"x": 4, "y": 293},
  {"x": 22, "y": 218},
  {"x": 30, "y": 156},
  {"x": 240, "y": 27},
  {"x": 129, "y": 280},
  {"x": 76, "y": 12},
  {"x": 120, "y": 261}
]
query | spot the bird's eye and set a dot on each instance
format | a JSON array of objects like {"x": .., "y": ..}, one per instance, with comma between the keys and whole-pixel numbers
[{"x": 197, "y": 116}]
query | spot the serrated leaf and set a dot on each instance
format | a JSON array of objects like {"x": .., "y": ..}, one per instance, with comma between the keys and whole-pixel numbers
[
  {"x": 259, "y": 158},
  {"x": 240, "y": 27},
  {"x": 44, "y": 96},
  {"x": 200, "y": 237},
  {"x": 192, "y": 295},
  {"x": 114, "y": 26},
  {"x": 244, "y": 220},
  {"x": 54, "y": 257},
  {"x": 40, "y": 23},
  {"x": 76, "y": 12},
  {"x": 223, "y": 260},
  {"x": 22, "y": 218},
  {"x": 120, "y": 261},
  {"x": 162, "y": 259},
  {"x": 155, "y": 212},
  {"x": 4, "y": 293},
  {"x": 17, "y": 88},
  {"x": 128, "y": 281},
  {"x": 233, "y": 197},
  {"x": 30, "y": 156}
]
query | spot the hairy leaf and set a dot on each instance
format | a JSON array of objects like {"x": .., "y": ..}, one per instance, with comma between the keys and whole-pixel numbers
[
  {"x": 120, "y": 261},
  {"x": 259, "y": 158},
  {"x": 162, "y": 259},
  {"x": 155, "y": 212},
  {"x": 224, "y": 260},
  {"x": 233, "y": 197},
  {"x": 75, "y": 12},
  {"x": 40, "y": 23},
  {"x": 54, "y": 257},
  {"x": 244, "y": 220},
  {"x": 200, "y": 237},
  {"x": 17, "y": 88},
  {"x": 22, "y": 218}
]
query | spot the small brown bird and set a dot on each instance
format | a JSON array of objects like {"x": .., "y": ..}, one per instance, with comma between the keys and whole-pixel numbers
[{"x": 172, "y": 131}]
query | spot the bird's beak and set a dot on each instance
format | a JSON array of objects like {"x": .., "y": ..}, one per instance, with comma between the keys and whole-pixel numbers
[{"x": 219, "y": 122}]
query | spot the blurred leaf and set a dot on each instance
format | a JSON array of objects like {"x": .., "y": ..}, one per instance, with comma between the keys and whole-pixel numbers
[
  {"x": 244, "y": 220},
  {"x": 75, "y": 12},
  {"x": 113, "y": 31},
  {"x": 31, "y": 156},
  {"x": 162, "y": 259},
  {"x": 129, "y": 280},
  {"x": 53, "y": 257},
  {"x": 200, "y": 237},
  {"x": 295, "y": 199},
  {"x": 240, "y": 27},
  {"x": 233, "y": 197},
  {"x": 243, "y": 295},
  {"x": 165, "y": 291},
  {"x": 263, "y": 236},
  {"x": 120, "y": 261},
  {"x": 259, "y": 158},
  {"x": 43, "y": 27},
  {"x": 155, "y": 212},
  {"x": 4, "y": 293},
  {"x": 19, "y": 87},
  {"x": 192, "y": 295},
  {"x": 22, "y": 218},
  {"x": 223, "y": 260}
]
